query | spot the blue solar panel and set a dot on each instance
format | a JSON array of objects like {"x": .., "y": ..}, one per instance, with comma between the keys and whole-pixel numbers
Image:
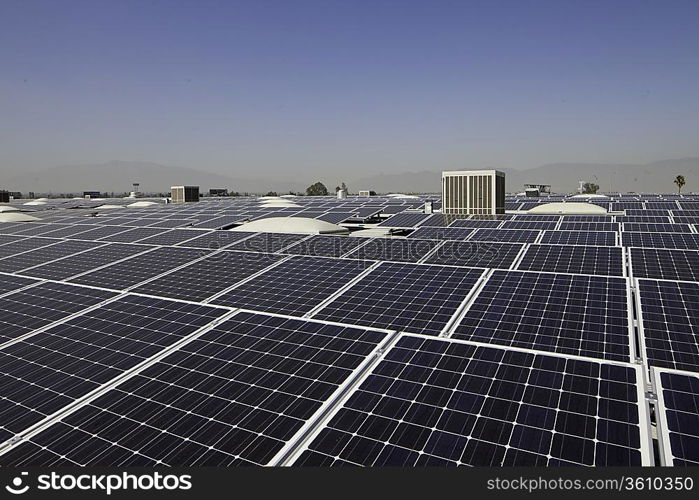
[
  {"x": 665, "y": 264},
  {"x": 438, "y": 402},
  {"x": 598, "y": 260},
  {"x": 595, "y": 238},
  {"x": 686, "y": 241},
  {"x": 580, "y": 315},
  {"x": 505, "y": 235},
  {"x": 678, "y": 417}
]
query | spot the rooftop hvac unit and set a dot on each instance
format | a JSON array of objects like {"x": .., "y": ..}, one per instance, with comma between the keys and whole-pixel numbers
[{"x": 184, "y": 194}]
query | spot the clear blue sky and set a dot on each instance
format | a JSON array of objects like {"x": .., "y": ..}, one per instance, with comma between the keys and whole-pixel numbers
[{"x": 273, "y": 88}]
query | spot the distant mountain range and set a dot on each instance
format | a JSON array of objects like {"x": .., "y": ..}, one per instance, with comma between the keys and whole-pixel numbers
[
  {"x": 117, "y": 176},
  {"x": 563, "y": 177}
]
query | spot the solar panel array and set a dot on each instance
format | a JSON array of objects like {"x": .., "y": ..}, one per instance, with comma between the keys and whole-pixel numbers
[{"x": 153, "y": 337}]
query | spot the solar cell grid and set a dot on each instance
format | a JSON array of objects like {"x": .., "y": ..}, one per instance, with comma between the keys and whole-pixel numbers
[
  {"x": 295, "y": 286},
  {"x": 9, "y": 282},
  {"x": 401, "y": 250},
  {"x": 588, "y": 226},
  {"x": 234, "y": 396},
  {"x": 440, "y": 233},
  {"x": 437, "y": 402},
  {"x": 405, "y": 220},
  {"x": 47, "y": 371},
  {"x": 505, "y": 235},
  {"x": 335, "y": 217},
  {"x": 205, "y": 278},
  {"x": 653, "y": 219},
  {"x": 476, "y": 223},
  {"x": 86, "y": 261},
  {"x": 665, "y": 264},
  {"x": 598, "y": 260},
  {"x": 685, "y": 241},
  {"x": 139, "y": 268},
  {"x": 102, "y": 232},
  {"x": 670, "y": 324},
  {"x": 35, "y": 229},
  {"x": 33, "y": 308},
  {"x": 322, "y": 245},
  {"x": 171, "y": 237},
  {"x": 528, "y": 224},
  {"x": 441, "y": 220},
  {"x": 44, "y": 254},
  {"x": 70, "y": 231},
  {"x": 656, "y": 228},
  {"x": 135, "y": 234},
  {"x": 213, "y": 240},
  {"x": 595, "y": 238},
  {"x": 476, "y": 254},
  {"x": 25, "y": 245},
  {"x": 9, "y": 238},
  {"x": 409, "y": 297},
  {"x": 678, "y": 417},
  {"x": 567, "y": 314},
  {"x": 267, "y": 242}
]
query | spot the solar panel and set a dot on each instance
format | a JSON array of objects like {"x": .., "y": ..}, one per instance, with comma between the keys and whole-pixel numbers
[
  {"x": 174, "y": 223},
  {"x": 505, "y": 235},
  {"x": 645, "y": 219},
  {"x": 27, "y": 310},
  {"x": 69, "y": 231},
  {"x": 588, "y": 226},
  {"x": 268, "y": 242},
  {"x": 34, "y": 229},
  {"x": 409, "y": 297},
  {"x": 440, "y": 402},
  {"x": 171, "y": 237},
  {"x": 649, "y": 211},
  {"x": 205, "y": 278},
  {"x": 670, "y": 324},
  {"x": 689, "y": 205},
  {"x": 528, "y": 224},
  {"x": 405, "y": 220},
  {"x": 441, "y": 220},
  {"x": 322, "y": 245},
  {"x": 102, "y": 232},
  {"x": 476, "y": 254},
  {"x": 43, "y": 373},
  {"x": 618, "y": 206},
  {"x": 537, "y": 218},
  {"x": 402, "y": 250},
  {"x": 678, "y": 417},
  {"x": 394, "y": 209},
  {"x": 9, "y": 283},
  {"x": 685, "y": 219},
  {"x": 132, "y": 271},
  {"x": 136, "y": 234},
  {"x": 234, "y": 396},
  {"x": 86, "y": 261},
  {"x": 513, "y": 205},
  {"x": 656, "y": 228},
  {"x": 579, "y": 315},
  {"x": 25, "y": 245},
  {"x": 586, "y": 218},
  {"x": 223, "y": 222},
  {"x": 294, "y": 287},
  {"x": 44, "y": 254},
  {"x": 665, "y": 264},
  {"x": 9, "y": 238},
  {"x": 660, "y": 205},
  {"x": 596, "y": 238},
  {"x": 476, "y": 223},
  {"x": 598, "y": 260},
  {"x": 686, "y": 241},
  {"x": 440, "y": 233},
  {"x": 336, "y": 217},
  {"x": 214, "y": 240}
]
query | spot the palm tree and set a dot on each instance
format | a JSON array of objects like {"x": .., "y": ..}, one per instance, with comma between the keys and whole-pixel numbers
[{"x": 679, "y": 180}]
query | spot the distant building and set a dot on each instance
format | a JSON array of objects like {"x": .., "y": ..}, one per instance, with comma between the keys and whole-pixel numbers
[
  {"x": 365, "y": 193},
  {"x": 16, "y": 195},
  {"x": 4, "y": 196},
  {"x": 218, "y": 192},
  {"x": 184, "y": 194},
  {"x": 473, "y": 192},
  {"x": 90, "y": 194}
]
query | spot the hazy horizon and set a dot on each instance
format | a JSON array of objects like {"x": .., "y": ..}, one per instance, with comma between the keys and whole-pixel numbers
[{"x": 272, "y": 89}]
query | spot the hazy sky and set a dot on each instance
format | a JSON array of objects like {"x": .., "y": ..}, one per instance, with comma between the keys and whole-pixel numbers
[{"x": 266, "y": 88}]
